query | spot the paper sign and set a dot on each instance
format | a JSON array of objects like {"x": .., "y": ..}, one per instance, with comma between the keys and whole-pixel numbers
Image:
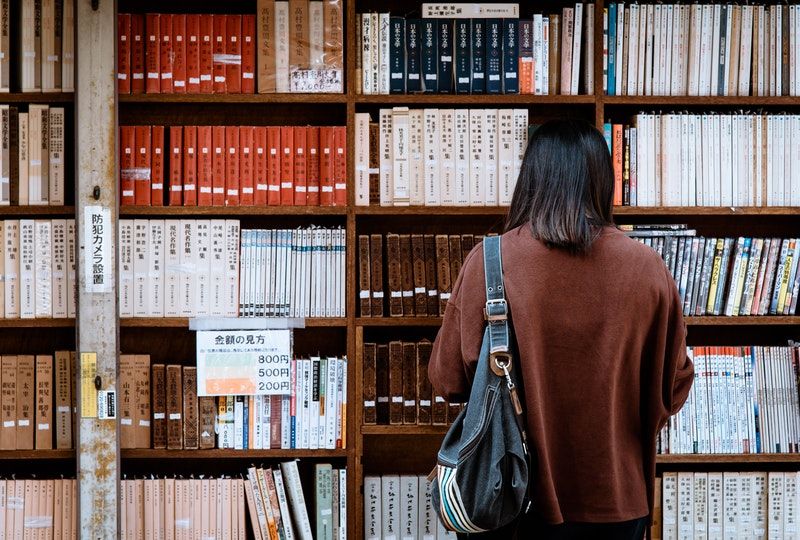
[
  {"x": 244, "y": 362},
  {"x": 97, "y": 230},
  {"x": 88, "y": 370}
]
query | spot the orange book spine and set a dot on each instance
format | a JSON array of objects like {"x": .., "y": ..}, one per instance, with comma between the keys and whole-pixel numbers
[
  {"x": 175, "y": 166},
  {"x": 299, "y": 175},
  {"x": 246, "y": 166},
  {"x": 218, "y": 166},
  {"x": 273, "y": 166},
  {"x": 189, "y": 166},
  {"x": 142, "y": 169},
  {"x": 166, "y": 52},
  {"x": 192, "y": 47},
  {"x": 157, "y": 167},
  {"x": 260, "y": 152},
  {"x": 124, "y": 53},
  {"x": 312, "y": 166},
  {"x": 126, "y": 165},
  {"x": 326, "y": 142},
  {"x": 179, "y": 53},
  {"x": 219, "y": 51},
  {"x": 248, "y": 54},
  {"x": 206, "y": 54},
  {"x": 204, "y": 172},
  {"x": 232, "y": 166},
  {"x": 287, "y": 166},
  {"x": 617, "y": 155},
  {"x": 152, "y": 53},
  {"x": 137, "y": 54},
  {"x": 340, "y": 166},
  {"x": 233, "y": 54}
]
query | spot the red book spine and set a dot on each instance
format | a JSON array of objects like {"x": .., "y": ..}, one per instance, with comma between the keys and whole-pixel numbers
[
  {"x": 204, "y": 172},
  {"x": 157, "y": 167},
  {"x": 299, "y": 176},
  {"x": 287, "y": 166},
  {"x": 232, "y": 166},
  {"x": 246, "y": 165},
  {"x": 312, "y": 165},
  {"x": 326, "y": 166},
  {"x": 219, "y": 48},
  {"x": 141, "y": 158},
  {"x": 175, "y": 166},
  {"x": 273, "y": 166},
  {"x": 153, "y": 53},
  {"x": 193, "y": 54},
  {"x": 248, "y": 54},
  {"x": 179, "y": 54},
  {"x": 126, "y": 165},
  {"x": 260, "y": 152},
  {"x": 233, "y": 55},
  {"x": 189, "y": 166},
  {"x": 206, "y": 54},
  {"x": 137, "y": 54},
  {"x": 218, "y": 166},
  {"x": 165, "y": 26},
  {"x": 124, "y": 53},
  {"x": 340, "y": 166}
]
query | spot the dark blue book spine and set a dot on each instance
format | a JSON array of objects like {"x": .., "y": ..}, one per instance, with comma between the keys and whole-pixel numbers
[
  {"x": 413, "y": 67},
  {"x": 246, "y": 421},
  {"x": 397, "y": 55},
  {"x": 463, "y": 60},
  {"x": 445, "y": 44},
  {"x": 430, "y": 60},
  {"x": 478, "y": 75},
  {"x": 494, "y": 56},
  {"x": 511, "y": 56},
  {"x": 612, "y": 49}
]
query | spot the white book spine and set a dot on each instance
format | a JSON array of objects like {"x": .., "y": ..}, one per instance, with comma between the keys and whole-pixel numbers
[
  {"x": 373, "y": 509},
  {"x": 633, "y": 52},
  {"x": 401, "y": 189},
  {"x": 686, "y": 508},
  {"x": 383, "y": 51},
  {"x": 649, "y": 49},
  {"x": 125, "y": 249},
  {"x": 217, "y": 267},
  {"x": 776, "y": 504},
  {"x": 417, "y": 156},
  {"x": 366, "y": 54},
  {"x": 72, "y": 282},
  {"x": 386, "y": 158},
  {"x": 538, "y": 55},
  {"x": 390, "y": 495},
  {"x": 432, "y": 143},
  {"x": 10, "y": 252},
  {"x": 447, "y": 162},
  {"x": 375, "y": 66},
  {"x": 730, "y": 510},
  {"x": 188, "y": 265},
  {"x": 156, "y": 268},
  {"x": 59, "y": 258},
  {"x": 342, "y": 504},
  {"x": 172, "y": 270},
  {"x": 68, "y": 48},
  {"x": 576, "y": 48},
  {"x": 520, "y": 145},
  {"x": 542, "y": 65},
  {"x": 362, "y": 159},
  {"x": 669, "y": 505},
  {"x": 294, "y": 492},
  {"x": 477, "y": 169},
  {"x": 409, "y": 490},
  {"x": 506, "y": 155},
  {"x": 140, "y": 267},
  {"x": 56, "y": 157},
  {"x": 746, "y": 50},
  {"x": 202, "y": 268},
  {"x": 462, "y": 157},
  {"x": 491, "y": 145},
  {"x": 43, "y": 270}
]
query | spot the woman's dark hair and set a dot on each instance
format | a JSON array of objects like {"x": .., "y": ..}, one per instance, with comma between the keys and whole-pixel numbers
[{"x": 565, "y": 187}]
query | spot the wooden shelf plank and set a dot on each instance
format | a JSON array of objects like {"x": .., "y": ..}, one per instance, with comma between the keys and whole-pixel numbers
[
  {"x": 476, "y": 99},
  {"x": 618, "y": 210},
  {"x": 765, "y": 320},
  {"x": 233, "y": 211},
  {"x": 216, "y": 453},
  {"x": 404, "y": 430},
  {"x": 665, "y": 459},
  {"x": 36, "y": 323},
  {"x": 37, "y": 97},
  {"x": 398, "y": 321},
  {"x": 430, "y": 210},
  {"x": 706, "y": 101},
  {"x": 36, "y": 454},
  {"x": 37, "y": 210},
  {"x": 183, "y": 322},
  {"x": 233, "y": 98}
]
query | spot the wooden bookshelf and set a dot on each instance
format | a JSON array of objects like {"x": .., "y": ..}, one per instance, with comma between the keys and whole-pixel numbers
[
  {"x": 235, "y": 211},
  {"x": 36, "y": 323},
  {"x": 233, "y": 98},
  {"x": 37, "y": 455},
  {"x": 36, "y": 211},
  {"x": 217, "y": 453},
  {"x": 183, "y": 322},
  {"x": 761, "y": 320},
  {"x": 38, "y": 97},
  {"x": 679, "y": 459}
]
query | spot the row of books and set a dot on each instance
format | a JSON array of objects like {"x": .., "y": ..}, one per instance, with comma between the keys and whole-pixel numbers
[
  {"x": 41, "y": 509},
  {"x": 744, "y": 401},
  {"x": 293, "y": 272},
  {"x": 278, "y": 49},
  {"x": 277, "y": 505},
  {"x": 400, "y": 506},
  {"x": 727, "y": 505},
  {"x": 439, "y": 157},
  {"x": 160, "y": 407},
  {"x": 37, "y": 401},
  {"x": 32, "y": 160},
  {"x": 178, "y": 268},
  {"x": 37, "y": 262},
  {"x": 233, "y": 165},
  {"x": 680, "y": 159},
  {"x": 419, "y": 270},
  {"x": 473, "y": 54},
  {"x": 717, "y": 49},
  {"x": 37, "y": 45},
  {"x": 729, "y": 276},
  {"x": 396, "y": 386}
]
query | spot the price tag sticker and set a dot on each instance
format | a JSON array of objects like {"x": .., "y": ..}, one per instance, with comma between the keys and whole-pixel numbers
[{"x": 244, "y": 362}]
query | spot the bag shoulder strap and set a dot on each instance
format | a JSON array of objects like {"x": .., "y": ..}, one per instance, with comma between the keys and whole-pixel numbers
[{"x": 496, "y": 310}]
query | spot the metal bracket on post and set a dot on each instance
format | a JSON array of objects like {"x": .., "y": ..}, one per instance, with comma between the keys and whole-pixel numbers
[{"x": 96, "y": 224}]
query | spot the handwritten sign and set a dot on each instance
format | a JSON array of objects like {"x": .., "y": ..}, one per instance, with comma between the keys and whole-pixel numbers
[{"x": 244, "y": 362}]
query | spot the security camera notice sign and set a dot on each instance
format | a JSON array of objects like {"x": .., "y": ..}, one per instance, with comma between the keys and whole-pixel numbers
[{"x": 244, "y": 362}]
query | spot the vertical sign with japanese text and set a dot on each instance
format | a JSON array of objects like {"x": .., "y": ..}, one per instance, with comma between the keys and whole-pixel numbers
[
  {"x": 244, "y": 362},
  {"x": 97, "y": 230}
]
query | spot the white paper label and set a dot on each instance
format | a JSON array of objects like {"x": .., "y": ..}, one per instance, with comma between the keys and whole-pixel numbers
[{"x": 97, "y": 249}]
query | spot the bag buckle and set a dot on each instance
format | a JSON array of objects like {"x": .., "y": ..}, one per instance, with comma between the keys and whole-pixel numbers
[
  {"x": 500, "y": 363},
  {"x": 495, "y": 310}
]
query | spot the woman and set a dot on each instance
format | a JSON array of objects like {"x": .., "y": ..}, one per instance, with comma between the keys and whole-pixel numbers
[{"x": 600, "y": 335}]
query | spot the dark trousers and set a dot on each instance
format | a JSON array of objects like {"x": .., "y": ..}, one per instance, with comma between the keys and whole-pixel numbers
[{"x": 531, "y": 527}]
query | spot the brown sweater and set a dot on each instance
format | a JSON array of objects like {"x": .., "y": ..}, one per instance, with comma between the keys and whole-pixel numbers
[{"x": 602, "y": 349}]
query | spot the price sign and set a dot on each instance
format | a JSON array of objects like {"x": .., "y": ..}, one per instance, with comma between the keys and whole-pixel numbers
[{"x": 244, "y": 362}]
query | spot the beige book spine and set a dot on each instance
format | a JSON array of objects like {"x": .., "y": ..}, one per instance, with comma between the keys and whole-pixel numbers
[
  {"x": 25, "y": 402},
  {"x": 44, "y": 402}
]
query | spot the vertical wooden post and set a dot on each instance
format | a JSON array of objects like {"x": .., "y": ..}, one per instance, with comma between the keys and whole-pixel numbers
[{"x": 96, "y": 224}]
